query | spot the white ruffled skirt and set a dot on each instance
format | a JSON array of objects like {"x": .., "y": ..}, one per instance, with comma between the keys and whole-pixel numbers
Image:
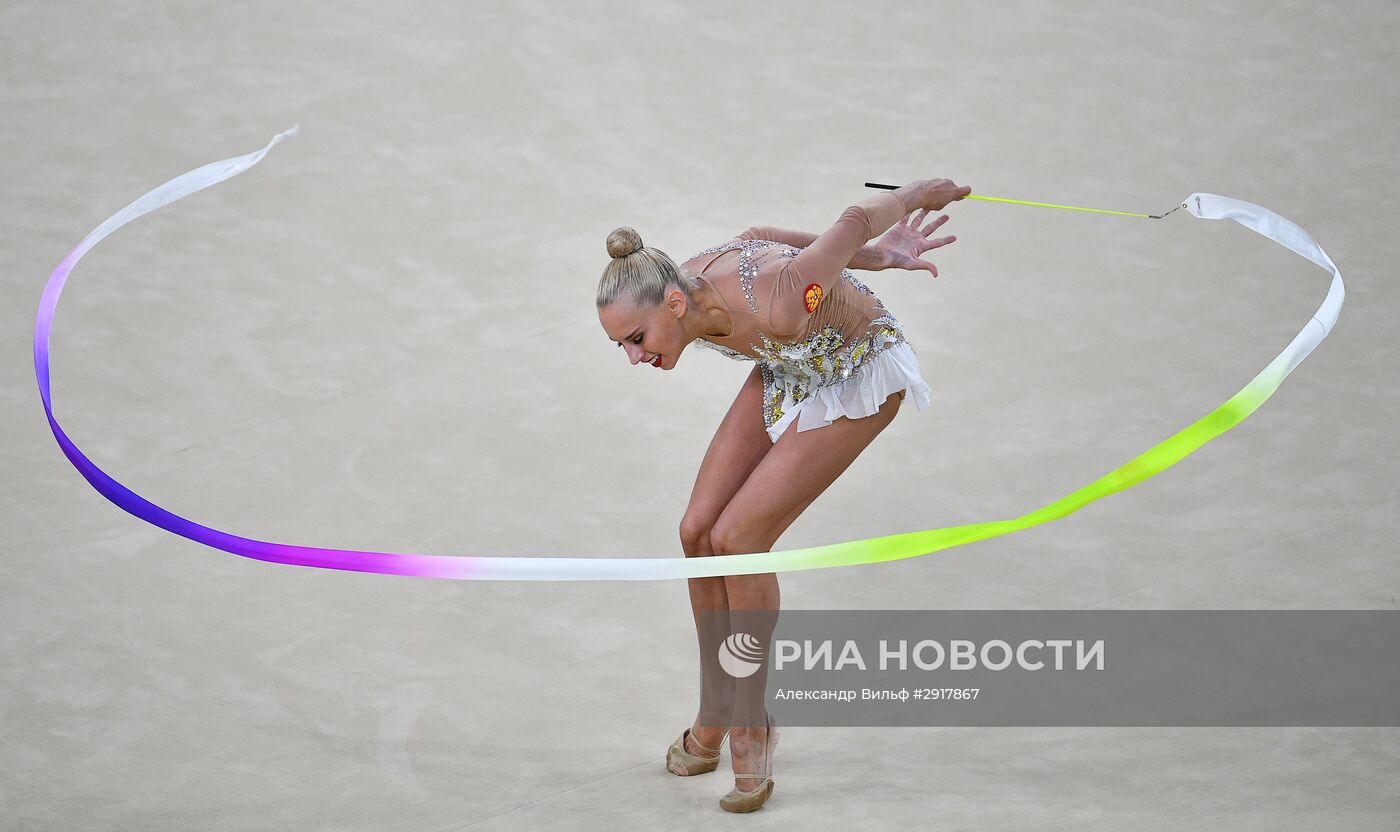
[{"x": 893, "y": 369}]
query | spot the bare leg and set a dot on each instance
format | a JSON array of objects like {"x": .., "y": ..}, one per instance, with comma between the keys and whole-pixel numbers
[
  {"x": 739, "y": 444},
  {"x": 793, "y": 474},
  {"x": 717, "y": 689}
]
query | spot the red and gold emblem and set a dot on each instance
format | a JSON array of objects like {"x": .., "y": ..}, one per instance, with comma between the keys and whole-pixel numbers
[{"x": 812, "y": 296}]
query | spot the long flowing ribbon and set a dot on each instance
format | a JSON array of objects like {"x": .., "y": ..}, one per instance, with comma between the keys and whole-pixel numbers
[{"x": 872, "y": 550}]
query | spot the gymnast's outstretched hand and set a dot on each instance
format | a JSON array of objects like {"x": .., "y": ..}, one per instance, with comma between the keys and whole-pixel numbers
[{"x": 905, "y": 241}]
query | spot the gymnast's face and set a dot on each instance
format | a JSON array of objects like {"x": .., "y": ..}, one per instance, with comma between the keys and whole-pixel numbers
[{"x": 653, "y": 335}]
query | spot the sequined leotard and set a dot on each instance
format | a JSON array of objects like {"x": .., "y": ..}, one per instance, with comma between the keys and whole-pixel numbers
[{"x": 768, "y": 290}]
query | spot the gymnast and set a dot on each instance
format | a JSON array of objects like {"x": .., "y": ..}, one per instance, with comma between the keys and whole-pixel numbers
[{"x": 832, "y": 366}]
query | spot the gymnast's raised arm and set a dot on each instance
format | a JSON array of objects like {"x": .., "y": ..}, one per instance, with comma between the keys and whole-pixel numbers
[
  {"x": 813, "y": 273},
  {"x": 869, "y": 258}
]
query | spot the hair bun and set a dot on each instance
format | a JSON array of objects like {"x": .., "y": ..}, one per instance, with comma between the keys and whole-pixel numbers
[{"x": 623, "y": 241}]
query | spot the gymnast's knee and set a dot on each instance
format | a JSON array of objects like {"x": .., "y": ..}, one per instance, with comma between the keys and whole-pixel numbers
[
  {"x": 726, "y": 540},
  {"x": 695, "y": 537}
]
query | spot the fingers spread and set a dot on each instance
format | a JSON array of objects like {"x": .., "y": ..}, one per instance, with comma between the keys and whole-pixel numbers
[{"x": 933, "y": 226}]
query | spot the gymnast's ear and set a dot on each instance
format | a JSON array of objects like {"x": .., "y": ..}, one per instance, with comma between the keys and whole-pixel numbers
[{"x": 677, "y": 300}]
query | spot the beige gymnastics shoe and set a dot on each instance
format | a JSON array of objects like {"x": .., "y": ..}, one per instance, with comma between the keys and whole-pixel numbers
[
  {"x": 742, "y": 801},
  {"x": 683, "y": 763}
]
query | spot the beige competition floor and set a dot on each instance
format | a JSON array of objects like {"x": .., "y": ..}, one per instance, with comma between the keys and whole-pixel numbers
[{"x": 383, "y": 338}]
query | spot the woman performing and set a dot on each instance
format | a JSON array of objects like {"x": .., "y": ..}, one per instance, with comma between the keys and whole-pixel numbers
[{"x": 832, "y": 366}]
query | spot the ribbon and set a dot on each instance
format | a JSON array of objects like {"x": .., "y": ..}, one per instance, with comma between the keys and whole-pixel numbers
[{"x": 872, "y": 550}]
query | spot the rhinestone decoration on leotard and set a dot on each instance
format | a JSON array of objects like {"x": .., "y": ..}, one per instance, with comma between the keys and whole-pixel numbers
[
  {"x": 795, "y": 370},
  {"x": 792, "y": 371},
  {"x": 749, "y": 262},
  {"x": 723, "y": 350}
]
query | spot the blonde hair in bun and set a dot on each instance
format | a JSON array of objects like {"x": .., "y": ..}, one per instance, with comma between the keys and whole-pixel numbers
[
  {"x": 640, "y": 273},
  {"x": 623, "y": 241}
]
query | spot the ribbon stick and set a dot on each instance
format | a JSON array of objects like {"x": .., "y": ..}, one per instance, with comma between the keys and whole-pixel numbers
[
  {"x": 872, "y": 550},
  {"x": 1039, "y": 204}
]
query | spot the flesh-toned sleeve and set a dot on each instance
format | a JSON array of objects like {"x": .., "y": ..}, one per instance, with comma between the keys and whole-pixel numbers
[
  {"x": 812, "y": 274},
  {"x": 797, "y": 239}
]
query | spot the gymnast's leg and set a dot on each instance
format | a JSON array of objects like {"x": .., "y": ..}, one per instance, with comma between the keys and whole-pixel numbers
[
  {"x": 738, "y": 445},
  {"x": 795, "y": 472}
]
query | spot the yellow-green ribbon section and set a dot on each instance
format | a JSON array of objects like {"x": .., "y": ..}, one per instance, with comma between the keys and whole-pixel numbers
[{"x": 1052, "y": 205}]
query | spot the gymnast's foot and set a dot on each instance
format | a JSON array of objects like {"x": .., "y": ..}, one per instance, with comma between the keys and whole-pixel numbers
[
  {"x": 751, "y": 753},
  {"x": 689, "y": 756},
  {"x": 706, "y": 736},
  {"x": 709, "y": 737}
]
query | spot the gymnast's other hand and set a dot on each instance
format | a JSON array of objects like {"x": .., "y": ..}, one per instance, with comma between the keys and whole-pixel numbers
[{"x": 905, "y": 241}]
